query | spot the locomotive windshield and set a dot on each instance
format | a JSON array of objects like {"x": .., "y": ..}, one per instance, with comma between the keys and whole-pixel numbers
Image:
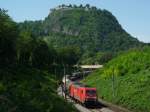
[{"x": 91, "y": 92}]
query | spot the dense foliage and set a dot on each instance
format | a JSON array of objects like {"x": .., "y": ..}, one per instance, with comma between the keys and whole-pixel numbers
[
  {"x": 92, "y": 30},
  {"x": 26, "y": 65},
  {"x": 8, "y": 34},
  {"x": 125, "y": 80},
  {"x": 30, "y": 90},
  {"x": 30, "y": 52}
]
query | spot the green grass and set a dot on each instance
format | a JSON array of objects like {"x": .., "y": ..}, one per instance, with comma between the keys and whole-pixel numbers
[{"x": 131, "y": 80}]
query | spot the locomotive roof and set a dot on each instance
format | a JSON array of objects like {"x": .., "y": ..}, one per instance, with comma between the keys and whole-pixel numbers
[{"x": 78, "y": 84}]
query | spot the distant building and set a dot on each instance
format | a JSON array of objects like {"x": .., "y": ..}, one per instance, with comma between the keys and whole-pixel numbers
[
  {"x": 91, "y": 66},
  {"x": 62, "y": 7}
]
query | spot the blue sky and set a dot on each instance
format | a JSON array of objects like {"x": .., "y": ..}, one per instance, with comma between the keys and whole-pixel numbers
[{"x": 133, "y": 15}]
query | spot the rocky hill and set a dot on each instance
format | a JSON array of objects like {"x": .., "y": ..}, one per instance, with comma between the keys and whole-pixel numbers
[{"x": 92, "y": 30}]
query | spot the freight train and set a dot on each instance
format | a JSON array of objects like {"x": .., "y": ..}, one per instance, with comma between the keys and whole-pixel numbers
[{"x": 80, "y": 92}]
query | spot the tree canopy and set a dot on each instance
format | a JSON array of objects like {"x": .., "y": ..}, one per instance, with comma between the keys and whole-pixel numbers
[{"x": 91, "y": 29}]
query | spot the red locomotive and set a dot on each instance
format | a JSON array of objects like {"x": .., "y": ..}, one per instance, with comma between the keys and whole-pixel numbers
[{"x": 82, "y": 93}]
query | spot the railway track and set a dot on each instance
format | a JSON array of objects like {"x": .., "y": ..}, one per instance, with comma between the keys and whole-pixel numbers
[
  {"x": 101, "y": 106},
  {"x": 101, "y": 110},
  {"x": 98, "y": 108}
]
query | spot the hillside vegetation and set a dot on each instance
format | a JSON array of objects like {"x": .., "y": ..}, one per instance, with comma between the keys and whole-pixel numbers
[
  {"x": 30, "y": 90},
  {"x": 88, "y": 28},
  {"x": 27, "y": 83},
  {"x": 125, "y": 80}
]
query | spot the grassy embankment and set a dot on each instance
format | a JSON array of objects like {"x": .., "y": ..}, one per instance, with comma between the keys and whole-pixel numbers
[{"x": 130, "y": 75}]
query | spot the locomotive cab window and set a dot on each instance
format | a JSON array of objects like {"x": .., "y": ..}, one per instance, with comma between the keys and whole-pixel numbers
[{"x": 91, "y": 92}]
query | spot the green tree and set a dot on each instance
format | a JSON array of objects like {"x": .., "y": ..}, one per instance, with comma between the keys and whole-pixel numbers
[
  {"x": 25, "y": 46},
  {"x": 69, "y": 55},
  {"x": 87, "y": 6},
  {"x": 81, "y": 6},
  {"x": 105, "y": 58},
  {"x": 8, "y": 36},
  {"x": 70, "y": 6},
  {"x": 42, "y": 57}
]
